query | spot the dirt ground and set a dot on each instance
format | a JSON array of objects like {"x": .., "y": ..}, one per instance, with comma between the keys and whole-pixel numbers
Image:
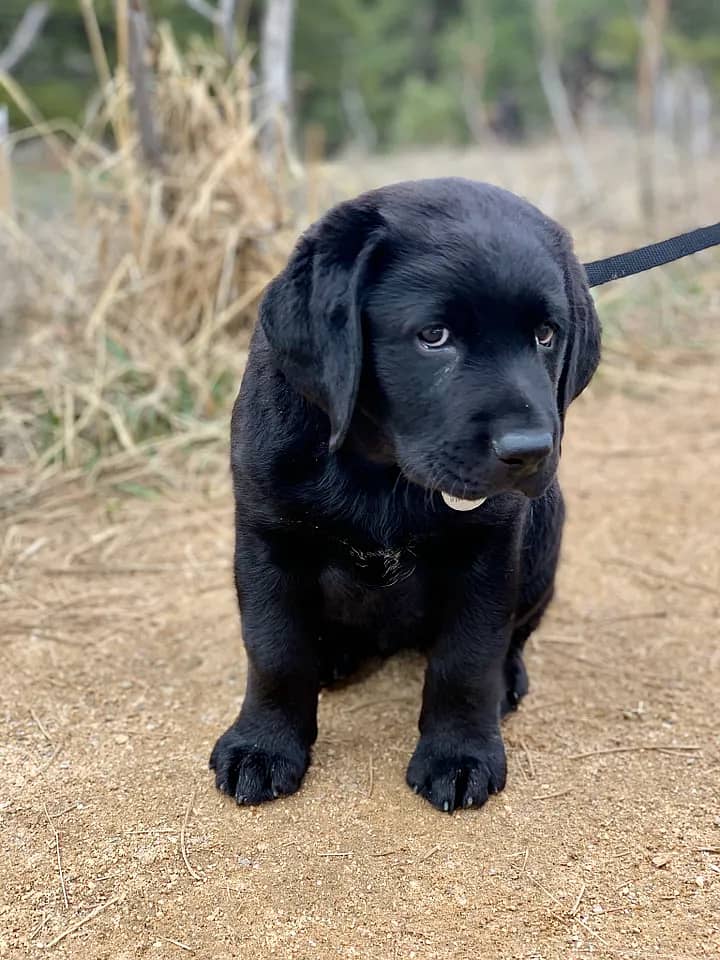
[{"x": 121, "y": 663}]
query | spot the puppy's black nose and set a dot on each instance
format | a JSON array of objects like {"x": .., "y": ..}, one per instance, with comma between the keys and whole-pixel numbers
[{"x": 524, "y": 451}]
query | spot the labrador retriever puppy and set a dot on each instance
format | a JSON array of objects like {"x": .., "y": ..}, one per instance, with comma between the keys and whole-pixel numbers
[{"x": 394, "y": 452}]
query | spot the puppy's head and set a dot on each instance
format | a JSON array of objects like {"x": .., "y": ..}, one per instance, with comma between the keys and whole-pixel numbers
[{"x": 446, "y": 322}]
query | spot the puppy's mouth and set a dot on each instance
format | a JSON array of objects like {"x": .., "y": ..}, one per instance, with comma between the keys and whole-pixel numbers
[
  {"x": 458, "y": 503},
  {"x": 456, "y": 493},
  {"x": 464, "y": 496},
  {"x": 464, "y": 491}
]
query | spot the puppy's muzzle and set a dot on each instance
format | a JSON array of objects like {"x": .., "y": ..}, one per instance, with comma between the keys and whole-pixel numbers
[{"x": 523, "y": 453}]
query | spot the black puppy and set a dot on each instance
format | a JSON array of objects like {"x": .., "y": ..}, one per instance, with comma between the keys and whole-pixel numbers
[{"x": 394, "y": 450}]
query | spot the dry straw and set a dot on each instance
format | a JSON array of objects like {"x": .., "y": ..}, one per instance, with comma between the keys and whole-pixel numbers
[{"x": 132, "y": 312}]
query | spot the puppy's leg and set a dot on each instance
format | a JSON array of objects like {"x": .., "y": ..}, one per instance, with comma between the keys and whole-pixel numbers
[
  {"x": 266, "y": 751},
  {"x": 460, "y": 757},
  {"x": 516, "y": 677},
  {"x": 539, "y": 559}
]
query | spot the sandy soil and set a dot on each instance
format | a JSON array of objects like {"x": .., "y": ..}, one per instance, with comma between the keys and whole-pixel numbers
[{"x": 121, "y": 663}]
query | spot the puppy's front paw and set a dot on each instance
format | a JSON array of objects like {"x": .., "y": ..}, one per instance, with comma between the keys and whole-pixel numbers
[
  {"x": 457, "y": 774},
  {"x": 253, "y": 774}
]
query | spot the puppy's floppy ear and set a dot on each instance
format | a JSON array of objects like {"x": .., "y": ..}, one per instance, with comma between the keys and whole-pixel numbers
[
  {"x": 311, "y": 312},
  {"x": 582, "y": 354}
]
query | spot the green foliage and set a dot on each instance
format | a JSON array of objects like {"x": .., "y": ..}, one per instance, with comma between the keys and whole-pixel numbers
[
  {"x": 427, "y": 113},
  {"x": 403, "y": 68},
  {"x": 59, "y": 98}
]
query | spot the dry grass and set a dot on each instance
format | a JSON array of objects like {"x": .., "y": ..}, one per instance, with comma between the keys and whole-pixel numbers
[
  {"x": 132, "y": 314},
  {"x": 124, "y": 325}
]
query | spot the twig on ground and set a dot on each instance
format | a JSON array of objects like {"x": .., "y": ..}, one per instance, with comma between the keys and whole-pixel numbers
[
  {"x": 371, "y": 778},
  {"x": 524, "y": 854},
  {"x": 40, "y": 725},
  {"x": 564, "y": 919},
  {"x": 183, "y": 850},
  {"x": 552, "y": 796},
  {"x": 620, "y": 618},
  {"x": 57, "y": 852},
  {"x": 575, "y": 907},
  {"x": 431, "y": 852},
  {"x": 565, "y": 641},
  {"x": 80, "y": 923},
  {"x": 38, "y": 927},
  {"x": 637, "y": 748},
  {"x": 60, "y": 813},
  {"x": 385, "y": 701},
  {"x": 625, "y": 906},
  {"x": 178, "y": 943},
  {"x": 41, "y": 770},
  {"x": 528, "y": 756},
  {"x": 661, "y": 575},
  {"x": 523, "y": 774}
]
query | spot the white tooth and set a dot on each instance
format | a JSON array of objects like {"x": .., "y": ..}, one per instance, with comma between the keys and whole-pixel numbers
[{"x": 457, "y": 503}]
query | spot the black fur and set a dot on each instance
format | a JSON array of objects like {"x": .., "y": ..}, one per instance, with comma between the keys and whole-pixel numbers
[{"x": 345, "y": 431}]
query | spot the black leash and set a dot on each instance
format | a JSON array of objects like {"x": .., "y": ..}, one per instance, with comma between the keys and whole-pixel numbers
[{"x": 653, "y": 255}]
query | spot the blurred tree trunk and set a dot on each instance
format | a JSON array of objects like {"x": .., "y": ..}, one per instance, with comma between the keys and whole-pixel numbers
[
  {"x": 227, "y": 12},
  {"x": 224, "y": 19},
  {"x": 648, "y": 72},
  {"x": 276, "y": 75},
  {"x": 474, "y": 56},
  {"x": 362, "y": 129},
  {"x": 25, "y": 35},
  {"x": 21, "y": 42},
  {"x": 423, "y": 31},
  {"x": 6, "y": 192},
  {"x": 140, "y": 73},
  {"x": 557, "y": 98},
  {"x": 473, "y": 62}
]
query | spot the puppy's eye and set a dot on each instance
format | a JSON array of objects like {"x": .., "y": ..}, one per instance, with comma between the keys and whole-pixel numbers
[
  {"x": 434, "y": 336},
  {"x": 544, "y": 334}
]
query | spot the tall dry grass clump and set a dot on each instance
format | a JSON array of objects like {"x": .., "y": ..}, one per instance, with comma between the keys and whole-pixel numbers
[{"x": 132, "y": 313}]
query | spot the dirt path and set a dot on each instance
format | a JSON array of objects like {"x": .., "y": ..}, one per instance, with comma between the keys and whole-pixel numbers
[{"x": 121, "y": 664}]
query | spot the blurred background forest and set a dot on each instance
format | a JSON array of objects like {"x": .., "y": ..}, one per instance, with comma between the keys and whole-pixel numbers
[
  {"x": 384, "y": 73},
  {"x": 158, "y": 158}
]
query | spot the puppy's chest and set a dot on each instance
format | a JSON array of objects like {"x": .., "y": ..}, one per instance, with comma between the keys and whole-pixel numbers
[
  {"x": 362, "y": 542},
  {"x": 374, "y": 539},
  {"x": 370, "y": 532},
  {"x": 370, "y": 566},
  {"x": 380, "y": 589}
]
